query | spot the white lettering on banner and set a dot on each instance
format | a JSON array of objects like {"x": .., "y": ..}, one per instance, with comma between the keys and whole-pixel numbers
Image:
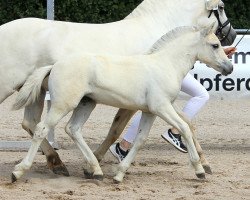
[{"x": 237, "y": 84}]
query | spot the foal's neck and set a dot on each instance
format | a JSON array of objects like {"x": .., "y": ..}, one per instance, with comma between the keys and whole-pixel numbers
[{"x": 178, "y": 55}]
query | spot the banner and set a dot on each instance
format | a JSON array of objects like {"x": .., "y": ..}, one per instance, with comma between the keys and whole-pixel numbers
[{"x": 235, "y": 85}]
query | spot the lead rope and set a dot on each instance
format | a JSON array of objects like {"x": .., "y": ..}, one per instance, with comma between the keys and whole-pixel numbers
[{"x": 241, "y": 38}]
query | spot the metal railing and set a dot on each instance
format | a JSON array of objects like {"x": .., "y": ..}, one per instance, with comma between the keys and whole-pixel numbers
[{"x": 242, "y": 31}]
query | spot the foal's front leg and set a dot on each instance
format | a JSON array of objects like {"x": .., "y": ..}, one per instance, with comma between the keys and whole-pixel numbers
[
  {"x": 145, "y": 125},
  {"x": 119, "y": 123},
  {"x": 32, "y": 116},
  {"x": 169, "y": 114}
]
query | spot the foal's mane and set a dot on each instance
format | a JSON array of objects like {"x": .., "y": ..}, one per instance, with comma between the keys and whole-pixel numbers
[{"x": 170, "y": 36}]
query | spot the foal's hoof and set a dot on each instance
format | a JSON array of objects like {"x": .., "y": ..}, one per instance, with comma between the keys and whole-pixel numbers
[
  {"x": 60, "y": 170},
  {"x": 88, "y": 175},
  {"x": 98, "y": 177},
  {"x": 207, "y": 169},
  {"x": 116, "y": 181},
  {"x": 201, "y": 176},
  {"x": 13, "y": 178}
]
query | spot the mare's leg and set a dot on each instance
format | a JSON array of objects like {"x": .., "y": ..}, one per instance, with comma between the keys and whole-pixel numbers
[
  {"x": 74, "y": 127},
  {"x": 204, "y": 162},
  {"x": 32, "y": 116},
  {"x": 119, "y": 123},
  {"x": 42, "y": 129},
  {"x": 145, "y": 125},
  {"x": 169, "y": 115}
]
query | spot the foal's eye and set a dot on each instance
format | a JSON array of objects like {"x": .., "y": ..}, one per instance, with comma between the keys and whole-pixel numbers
[{"x": 215, "y": 46}]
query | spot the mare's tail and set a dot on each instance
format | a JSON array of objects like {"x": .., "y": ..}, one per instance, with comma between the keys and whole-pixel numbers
[{"x": 31, "y": 89}]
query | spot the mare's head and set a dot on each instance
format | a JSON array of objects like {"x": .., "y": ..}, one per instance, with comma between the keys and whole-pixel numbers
[
  {"x": 215, "y": 10},
  {"x": 211, "y": 52}
]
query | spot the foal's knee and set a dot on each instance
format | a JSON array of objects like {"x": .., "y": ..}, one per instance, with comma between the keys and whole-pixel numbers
[
  {"x": 71, "y": 130},
  {"x": 26, "y": 125}
]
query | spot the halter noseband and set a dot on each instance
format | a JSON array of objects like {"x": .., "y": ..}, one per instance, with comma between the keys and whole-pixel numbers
[{"x": 219, "y": 32}]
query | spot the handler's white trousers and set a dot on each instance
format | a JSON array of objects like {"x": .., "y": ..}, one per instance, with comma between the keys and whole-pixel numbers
[{"x": 189, "y": 86}]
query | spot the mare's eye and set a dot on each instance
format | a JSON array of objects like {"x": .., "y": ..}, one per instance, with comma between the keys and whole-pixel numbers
[
  {"x": 215, "y": 46},
  {"x": 221, "y": 8}
]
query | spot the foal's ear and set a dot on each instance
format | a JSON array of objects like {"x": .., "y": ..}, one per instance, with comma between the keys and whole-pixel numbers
[
  {"x": 208, "y": 29},
  {"x": 211, "y": 4}
]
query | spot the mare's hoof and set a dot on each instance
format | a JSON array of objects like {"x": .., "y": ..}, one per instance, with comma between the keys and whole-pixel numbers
[
  {"x": 98, "y": 177},
  {"x": 207, "y": 169},
  {"x": 60, "y": 170},
  {"x": 201, "y": 176},
  {"x": 13, "y": 178}
]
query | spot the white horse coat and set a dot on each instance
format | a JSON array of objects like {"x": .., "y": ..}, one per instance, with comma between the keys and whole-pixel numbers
[
  {"x": 28, "y": 44},
  {"x": 149, "y": 83}
]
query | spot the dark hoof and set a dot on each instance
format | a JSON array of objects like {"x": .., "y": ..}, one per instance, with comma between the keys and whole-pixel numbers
[
  {"x": 61, "y": 170},
  {"x": 98, "y": 177},
  {"x": 201, "y": 176},
  {"x": 207, "y": 169},
  {"x": 87, "y": 174},
  {"x": 116, "y": 181},
  {"x": 13, "y": 178}
]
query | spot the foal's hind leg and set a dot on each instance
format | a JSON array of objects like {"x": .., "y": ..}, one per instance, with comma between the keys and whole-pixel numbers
[
  {"x": 119, "y": 123},
  {"x": 42, "y": 129},
  {"x": 73, "y": 128},
  {"x": 32, "y": 116}
]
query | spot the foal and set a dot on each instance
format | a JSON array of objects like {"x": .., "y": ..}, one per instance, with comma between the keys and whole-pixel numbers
[{"x": 148, "y": 82}]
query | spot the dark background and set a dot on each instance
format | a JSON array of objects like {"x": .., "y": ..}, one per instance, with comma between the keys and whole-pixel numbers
[{"x": 100, "y": 11}]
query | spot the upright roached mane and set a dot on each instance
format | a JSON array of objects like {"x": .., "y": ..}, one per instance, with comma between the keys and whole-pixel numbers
[{"x": 168, "y": 37}]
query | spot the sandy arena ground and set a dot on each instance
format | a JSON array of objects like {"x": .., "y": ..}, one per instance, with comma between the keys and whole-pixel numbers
[{"x": 159, "y": 172}]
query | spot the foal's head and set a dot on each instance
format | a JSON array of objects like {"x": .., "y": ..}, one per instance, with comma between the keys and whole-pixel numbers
[{"x": 211, "y": 52}]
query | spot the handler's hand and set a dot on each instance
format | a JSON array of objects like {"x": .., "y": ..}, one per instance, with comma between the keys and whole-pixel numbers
[{"x": 229, "y": 51}]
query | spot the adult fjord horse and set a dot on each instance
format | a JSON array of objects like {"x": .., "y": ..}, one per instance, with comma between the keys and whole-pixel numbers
[
  {"x": 28, "y": 44},
  {"x": 153, "y": 88}
]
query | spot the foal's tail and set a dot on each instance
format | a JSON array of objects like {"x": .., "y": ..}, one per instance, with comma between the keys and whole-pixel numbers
[{"x": 31, "y": 89}]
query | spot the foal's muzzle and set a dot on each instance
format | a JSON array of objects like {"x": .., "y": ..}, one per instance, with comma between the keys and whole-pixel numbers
[{"x": 227, "y": 68}]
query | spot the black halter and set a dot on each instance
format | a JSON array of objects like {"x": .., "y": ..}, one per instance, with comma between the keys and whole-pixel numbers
[{"x": 219, "y": 32}]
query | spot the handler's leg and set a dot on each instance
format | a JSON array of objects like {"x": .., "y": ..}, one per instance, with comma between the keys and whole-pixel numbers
[{"x": 145, "y": 125}]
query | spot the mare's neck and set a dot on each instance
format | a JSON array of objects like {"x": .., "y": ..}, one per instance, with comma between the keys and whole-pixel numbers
[{"x": 161, "y": 16}]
